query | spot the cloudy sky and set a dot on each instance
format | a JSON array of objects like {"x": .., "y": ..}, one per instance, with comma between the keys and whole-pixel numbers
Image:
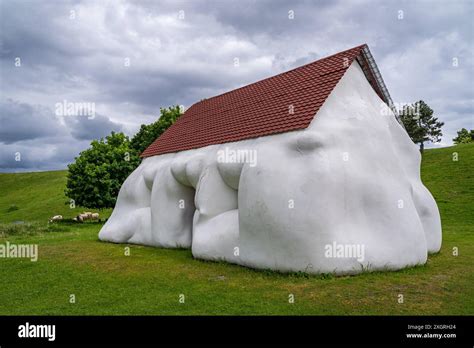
[{"x": 129, "y": 58}]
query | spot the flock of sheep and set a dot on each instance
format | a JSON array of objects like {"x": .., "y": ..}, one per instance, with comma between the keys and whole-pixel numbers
[{"x": 85, "y": 216}]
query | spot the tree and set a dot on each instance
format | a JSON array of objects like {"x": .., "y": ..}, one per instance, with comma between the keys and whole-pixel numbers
[
  {"x": 464, "y": 136},
  {"x": 95, "y": 178},
  {"x": 148, "y": 133},
  {"x": 420, "y": 123}
]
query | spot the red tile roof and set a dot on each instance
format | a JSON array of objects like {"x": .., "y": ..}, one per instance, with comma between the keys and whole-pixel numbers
[{"x": 259, "y": 109}]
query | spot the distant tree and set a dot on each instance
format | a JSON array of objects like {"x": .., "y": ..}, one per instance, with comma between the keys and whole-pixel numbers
[
  {"x": 95, "y": 178},
  {"x": 420, "y": 123},
  {"x": 464, "y": 136},
  {"x": 148, "y": 133}
]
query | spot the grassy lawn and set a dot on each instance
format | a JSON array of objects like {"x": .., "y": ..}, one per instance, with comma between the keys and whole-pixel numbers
[{"x": 149, "y": 281}]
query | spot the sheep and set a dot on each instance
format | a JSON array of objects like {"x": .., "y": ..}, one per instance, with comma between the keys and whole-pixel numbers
[
  {"x": 81, "y": 217},
  {"x": 86, "y": 216},
  {"x": 56, "y": 218}
]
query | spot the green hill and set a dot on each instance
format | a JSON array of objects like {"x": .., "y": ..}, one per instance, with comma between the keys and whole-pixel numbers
[
  {"x": 451, "y": 182},
  {"x": 35, "y": 197},
  {"x": 150, "y": 280}
]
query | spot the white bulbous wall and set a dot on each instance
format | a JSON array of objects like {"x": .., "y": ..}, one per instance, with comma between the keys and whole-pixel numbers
[{"x": 351, "y": 178}]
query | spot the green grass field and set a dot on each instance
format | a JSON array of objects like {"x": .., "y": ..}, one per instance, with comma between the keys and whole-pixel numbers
[{"x": 150, "y": 281}]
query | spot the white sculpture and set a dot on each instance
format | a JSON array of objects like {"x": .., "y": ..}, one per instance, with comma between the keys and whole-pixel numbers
[{"x": 341, "y": 196}]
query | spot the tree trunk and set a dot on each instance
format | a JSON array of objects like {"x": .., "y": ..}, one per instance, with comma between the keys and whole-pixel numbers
[{"x": 422, "y": 147}]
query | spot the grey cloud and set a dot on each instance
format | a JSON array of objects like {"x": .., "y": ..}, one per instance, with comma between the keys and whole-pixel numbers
[
  {"x": 21, "y": 121},
  {"x": 39, "y": 154},
  {"x": 92, "y": 127},
  {"x": 33, "y": 138}
]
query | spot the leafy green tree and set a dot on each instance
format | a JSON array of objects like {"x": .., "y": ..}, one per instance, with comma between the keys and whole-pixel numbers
[
  {"x": 420, "y": 123},
  {"x": 95, "y": 178},
  {"x": 464, "y": 136},
  {"x": 148, "y": 133}
]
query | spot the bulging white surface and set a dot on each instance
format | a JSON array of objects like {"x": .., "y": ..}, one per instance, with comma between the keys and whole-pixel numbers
[{"x": 342, "y": 196}]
